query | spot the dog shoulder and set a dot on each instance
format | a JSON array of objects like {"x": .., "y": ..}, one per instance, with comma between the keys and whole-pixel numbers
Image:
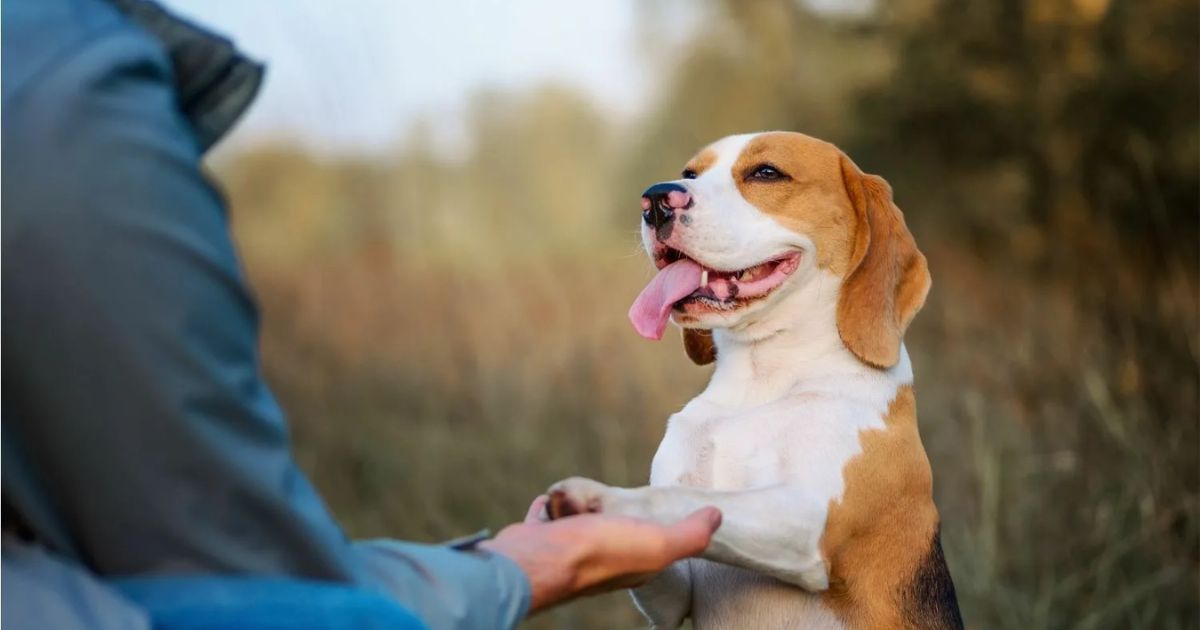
[{"x": 881, "y": 539}]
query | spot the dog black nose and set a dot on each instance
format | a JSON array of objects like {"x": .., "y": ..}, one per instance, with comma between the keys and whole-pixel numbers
[{"x": 660, "y": 202}]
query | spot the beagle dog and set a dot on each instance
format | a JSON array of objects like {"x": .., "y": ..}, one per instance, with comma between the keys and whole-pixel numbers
[{"x": 795, "y": 272}]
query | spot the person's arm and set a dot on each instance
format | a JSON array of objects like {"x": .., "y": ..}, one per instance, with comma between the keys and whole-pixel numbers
[{"x": 140, "y": 437}]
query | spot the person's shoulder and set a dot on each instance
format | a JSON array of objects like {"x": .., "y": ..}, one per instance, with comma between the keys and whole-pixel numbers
[
  {"x": 56, "y": 46},
  {"x": 87, "y": 96},
  {"x": 73, "y": 68}
]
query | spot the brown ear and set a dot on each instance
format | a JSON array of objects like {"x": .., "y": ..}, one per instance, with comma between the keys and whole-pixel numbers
[
  {"x": 699, "y": 346},
  {"x": 888, "y": 277}
]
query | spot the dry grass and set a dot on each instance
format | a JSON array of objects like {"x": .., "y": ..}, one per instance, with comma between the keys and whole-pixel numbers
[
  {"x": 431, "y": 396},
  {"x": 428, "y": 402}
]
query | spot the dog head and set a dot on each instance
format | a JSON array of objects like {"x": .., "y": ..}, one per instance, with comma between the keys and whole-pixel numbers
[{"x": 757, "y": 217}]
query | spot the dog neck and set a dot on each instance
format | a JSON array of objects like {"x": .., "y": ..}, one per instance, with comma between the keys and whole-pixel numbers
[{"x": 792, "y": 346}]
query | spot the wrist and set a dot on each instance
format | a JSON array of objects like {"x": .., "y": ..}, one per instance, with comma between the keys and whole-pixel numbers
[{"x": 552, "y": 564}]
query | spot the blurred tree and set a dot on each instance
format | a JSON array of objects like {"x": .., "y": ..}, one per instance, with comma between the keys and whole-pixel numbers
[
  {"x": 540, "y": 166},
  {"x": 1093, "y": 102}
]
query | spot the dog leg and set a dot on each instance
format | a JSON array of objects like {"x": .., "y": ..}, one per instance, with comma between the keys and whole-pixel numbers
[{"x": 774, "y": 530}]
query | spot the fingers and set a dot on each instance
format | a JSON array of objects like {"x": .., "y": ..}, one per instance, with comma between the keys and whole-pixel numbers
[
  {"x": 537, "y": 510},
  {"x": 691, "y": 536}
]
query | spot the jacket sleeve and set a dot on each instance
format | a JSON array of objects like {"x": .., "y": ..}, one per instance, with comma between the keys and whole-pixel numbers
[{"x": 140, "y": 437}]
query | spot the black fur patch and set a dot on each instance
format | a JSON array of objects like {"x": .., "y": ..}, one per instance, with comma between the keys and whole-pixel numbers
[{"x": 929, "y": 601}]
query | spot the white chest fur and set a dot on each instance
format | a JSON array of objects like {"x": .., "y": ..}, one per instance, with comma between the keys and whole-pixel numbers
[
  {"x": 806, "y": 437},
  {"x": 795, "y": 447}
]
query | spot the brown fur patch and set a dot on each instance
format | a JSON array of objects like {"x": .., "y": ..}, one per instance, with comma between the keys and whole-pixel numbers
[
  {"x": 878, "y": 539},
  {"x": 811, "y": 201},
  {"x": 888, "y": 278},
  {"x": 699, "y": 346},
  {"x": 702, "y": 161}
]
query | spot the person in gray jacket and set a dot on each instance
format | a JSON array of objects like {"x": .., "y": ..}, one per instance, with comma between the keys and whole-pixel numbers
[{"x": 139, "y": 437}]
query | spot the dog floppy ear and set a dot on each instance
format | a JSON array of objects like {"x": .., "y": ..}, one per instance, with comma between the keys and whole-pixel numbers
[
  {"x": 699, "y": 346},
  {"x": 888, "y": 277}
]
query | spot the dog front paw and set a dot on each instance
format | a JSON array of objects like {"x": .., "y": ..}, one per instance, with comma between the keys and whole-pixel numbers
[{"x": 576, "y": 495}]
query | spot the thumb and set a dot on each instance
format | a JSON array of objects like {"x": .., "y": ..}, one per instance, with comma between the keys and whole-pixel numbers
[
  {"x": 536, "y": 509},
  {"x": 691, "y": 536}
]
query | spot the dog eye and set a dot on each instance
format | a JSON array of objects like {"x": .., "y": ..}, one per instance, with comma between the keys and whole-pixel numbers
[
  {"x": 689, "y": 174},
  {"x": 766, "y": 172}
]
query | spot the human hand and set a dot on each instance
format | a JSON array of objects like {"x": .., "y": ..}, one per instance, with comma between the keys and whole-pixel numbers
[{"x": 593, "y": 553}]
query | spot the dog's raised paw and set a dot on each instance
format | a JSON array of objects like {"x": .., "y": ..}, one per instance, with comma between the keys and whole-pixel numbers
[
  {"x": 574, "y": 496},
  {"x": 560, "y": 506}
]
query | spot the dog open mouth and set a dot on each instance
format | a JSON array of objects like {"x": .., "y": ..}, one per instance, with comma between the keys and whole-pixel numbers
[{"x": 685, "y": 284}]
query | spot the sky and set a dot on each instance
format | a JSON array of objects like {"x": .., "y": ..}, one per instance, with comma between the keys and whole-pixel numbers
[{"x": 352, "y": 76}]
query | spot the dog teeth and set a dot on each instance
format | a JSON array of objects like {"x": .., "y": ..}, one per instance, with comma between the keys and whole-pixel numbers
[{"x": 704, "y": 278}]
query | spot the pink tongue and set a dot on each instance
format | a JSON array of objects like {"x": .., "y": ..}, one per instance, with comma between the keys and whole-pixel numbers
[{"x": 652, "y": 307}]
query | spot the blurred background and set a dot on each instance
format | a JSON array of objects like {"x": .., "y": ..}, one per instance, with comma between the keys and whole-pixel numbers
[{"x": 437, "y": 205}]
